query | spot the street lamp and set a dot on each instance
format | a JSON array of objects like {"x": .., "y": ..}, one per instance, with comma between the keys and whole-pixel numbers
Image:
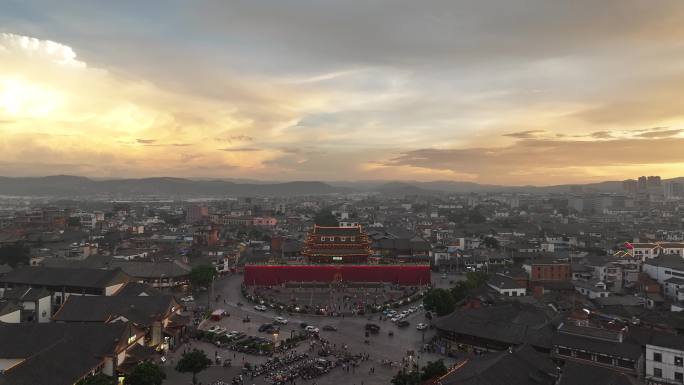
[{"x": 275, "y": 340}]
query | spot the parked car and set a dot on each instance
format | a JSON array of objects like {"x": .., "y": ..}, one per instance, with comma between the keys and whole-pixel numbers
[
  {"x": 311, "y": 329},
  {"x": 217, "y": 331},
  {"x": 421, "y": 326},
  {"x": 280, "y": 320},
  {"x": 373, "y": 328},
  {"x": 260, "y": 308},
  {"x": 264, "y": 327},
  {"x": 329, "y": 328},
  {"x": 188, "y": 298}
]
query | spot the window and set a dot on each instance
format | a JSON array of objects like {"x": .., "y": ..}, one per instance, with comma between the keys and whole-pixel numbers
[
  {"x": 657, "y": 357},
  {"x": 657, "y": 372},
  {"x": 678, "y": 361},
  {"x": 679, "y": 376}
]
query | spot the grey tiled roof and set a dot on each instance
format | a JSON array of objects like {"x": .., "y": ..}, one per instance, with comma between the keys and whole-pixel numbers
[{"x": 78, "y": 277}]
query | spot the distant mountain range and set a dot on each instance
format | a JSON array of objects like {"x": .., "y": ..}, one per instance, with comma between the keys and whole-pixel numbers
[{"x": 76, "y": 186}]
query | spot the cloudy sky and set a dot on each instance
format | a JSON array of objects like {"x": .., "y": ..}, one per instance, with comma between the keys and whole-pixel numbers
[{"x": 507, "y": 92}]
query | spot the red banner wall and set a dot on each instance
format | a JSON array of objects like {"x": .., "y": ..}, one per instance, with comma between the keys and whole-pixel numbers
[{"x": 271, "y": 275}]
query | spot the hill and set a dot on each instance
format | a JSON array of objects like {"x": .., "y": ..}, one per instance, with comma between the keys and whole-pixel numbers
[{"x": 74, "y": 186}]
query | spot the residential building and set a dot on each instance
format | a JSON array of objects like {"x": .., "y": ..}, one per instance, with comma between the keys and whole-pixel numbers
[
  {"x": 63, "y": 282},
  {"x": 665, "y": 359},
  {"x": 600, "y": 347},
  {"x": 64, "y": 353},
  {"x": 159, "y": 316}
]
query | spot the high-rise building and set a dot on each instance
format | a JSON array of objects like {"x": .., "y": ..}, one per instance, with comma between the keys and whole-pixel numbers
[
  {"x": 629, "y": 186},
  {"x": 674, "y": 190},
  {"x": 196, "y": 213},
  {"x": 654, "y": 181}
]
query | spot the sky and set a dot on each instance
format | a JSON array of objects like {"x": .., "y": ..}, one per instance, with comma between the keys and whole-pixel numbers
[{"x": 501, "y": 92}]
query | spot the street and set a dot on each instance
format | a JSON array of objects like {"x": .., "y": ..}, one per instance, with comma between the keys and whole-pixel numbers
[{"x": 350, "y": 332}]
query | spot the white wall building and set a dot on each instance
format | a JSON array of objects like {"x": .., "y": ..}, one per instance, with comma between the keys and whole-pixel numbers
[{"x": 665, "y": 360}]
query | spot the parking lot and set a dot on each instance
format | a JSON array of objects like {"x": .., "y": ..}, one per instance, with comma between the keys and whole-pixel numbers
[{"x": 388, "y": 345}]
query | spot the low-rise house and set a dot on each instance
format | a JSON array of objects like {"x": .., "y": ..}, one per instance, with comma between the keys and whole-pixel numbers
[
  {"x": 9, "y": 312},
  {"x": 495, "y": 328},
  {"x": 665, "y": 359},
  {"x": 519, "y": 366},
  {"x": 138, "y": 289},
  {"x": 673, "y": 286},
  {"x": 548, "y": 269},
  {"x": 158, "y": 316},
  {"x": 64, "y": 353},
  {"x": 575, "y": 373},
  {"x": 157, "y": 274},
  {"x": 63, "y": 282},
  {"x": 592, "y": 288},
  {"x": 36, "y": 303},
  {"x": 664, "y": 267},
  {"x": 506, "y": 286},
  {"x": 601, "y": 347}
]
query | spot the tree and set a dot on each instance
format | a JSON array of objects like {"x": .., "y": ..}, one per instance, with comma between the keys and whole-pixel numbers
[
  {"x": 406, "y": 378},
  {"x": 74, "y": 222},
  {"x": 98, "y": 379},
  {"x": 460, "y": 291},
  {"x": 193, "y": 362},
  {"x": 433, "y": 369},
  {"x": 491, "y": 243},
  {"x": 326, "y": 218},
  {"x": 475, "y": 279},
  {"x": 202, "y": 276},
  {"x": 474, "y": 216},
  {"x": 14, "y": 254},
  {"x": 440, "y": 301},
  {"x": 146, "y": 373}
]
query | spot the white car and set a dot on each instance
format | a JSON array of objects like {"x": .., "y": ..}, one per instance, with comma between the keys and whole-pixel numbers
[
  {"x": 260, "y": 307},
  {"x": 311, "y": 329},
  {"x": 404, "y": 313},
  {"x": 217, "y": 330},
  {"x": 395, "y": 319},
  {"x": 421, "y": 326},
  {"x": 280, "y": 320},
  {"x": 188, "y": 299}
]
